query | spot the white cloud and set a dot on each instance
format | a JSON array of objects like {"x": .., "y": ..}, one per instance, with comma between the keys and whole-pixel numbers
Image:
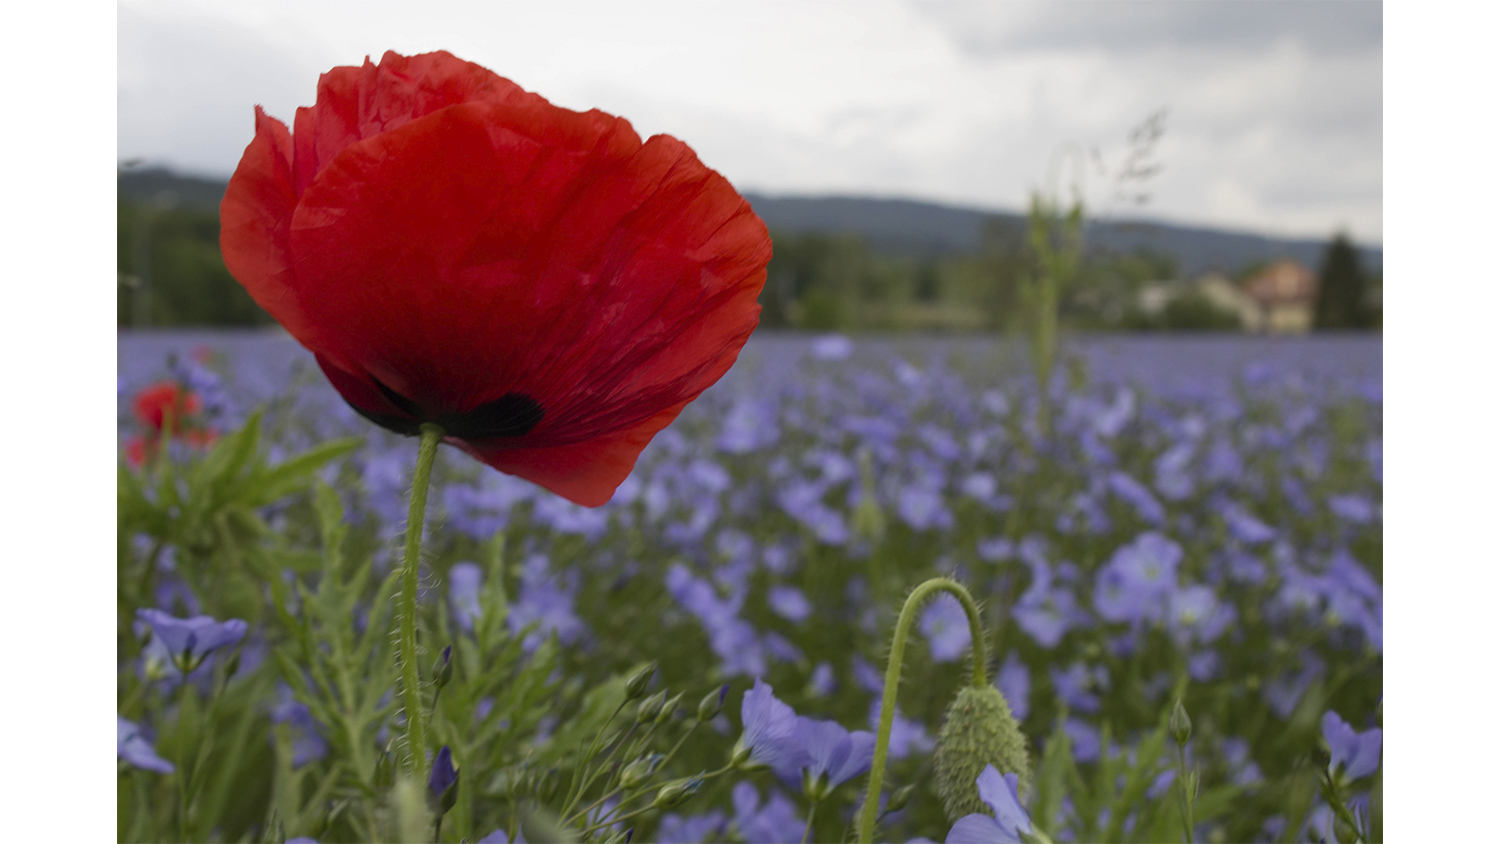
[{"x": 962, "y": 103}]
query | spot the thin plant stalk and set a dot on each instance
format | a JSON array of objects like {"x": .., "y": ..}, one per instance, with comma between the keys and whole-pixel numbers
[{"x": 893, "y": 678}]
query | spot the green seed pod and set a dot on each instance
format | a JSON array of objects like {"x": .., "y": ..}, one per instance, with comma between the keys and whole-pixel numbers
[{"x": 978, "y": 730}]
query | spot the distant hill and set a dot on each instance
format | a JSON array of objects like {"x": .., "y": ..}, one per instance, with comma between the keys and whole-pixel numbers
[{"x": 899, "y": 226}]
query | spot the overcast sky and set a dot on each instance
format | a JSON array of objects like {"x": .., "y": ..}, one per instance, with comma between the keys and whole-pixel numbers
[{"x": 1273, "y": 119}]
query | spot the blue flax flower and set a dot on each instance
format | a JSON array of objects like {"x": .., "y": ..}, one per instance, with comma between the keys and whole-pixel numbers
[
  {"x": 189, "y": 640},
  {"x": 769, "y": 739},
  {"x": 134, "y": 748},
  {"x": 1010, "y": 820},
  {"x": 774, "y": 820},
  {"x": 1358, "y": 754},
  {"x": 833, "y": 755},
  {"x": 946, "y": 626}
]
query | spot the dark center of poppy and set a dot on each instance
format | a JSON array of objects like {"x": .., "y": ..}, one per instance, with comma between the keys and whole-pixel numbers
[{"x": 511, "y": 415}]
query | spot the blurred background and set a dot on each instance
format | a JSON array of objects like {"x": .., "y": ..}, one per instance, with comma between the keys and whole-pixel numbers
[{"x": 1225, "y": 158}]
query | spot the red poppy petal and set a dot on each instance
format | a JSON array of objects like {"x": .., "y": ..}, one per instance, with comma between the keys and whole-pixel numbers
[
  {"x": 255, "y": 218},
  {"x": 394, "y": 246},
  {"x": 531, "y": 210},
  {"x": 362, "y": 395},
  {"x": 586, "y": 473}
]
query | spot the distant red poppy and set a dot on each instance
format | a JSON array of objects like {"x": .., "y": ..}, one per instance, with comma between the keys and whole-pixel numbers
[
  {"x": 454, "y": 249},
  {"x": 163, "y": 400},
  {"x": 157, "y": 404}
]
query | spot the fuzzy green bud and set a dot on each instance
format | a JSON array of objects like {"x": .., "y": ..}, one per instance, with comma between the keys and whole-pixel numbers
[
  {"x": 676, "y": 793},
  {"x": 650, "y": 707},
  {"x": 668, "y": 709},
  {"x": 978, "y": 730},
  {"x": 1179, "y": 724},
  {"x": 712, "y": 704},
  {"x": 638, "y": 683}
]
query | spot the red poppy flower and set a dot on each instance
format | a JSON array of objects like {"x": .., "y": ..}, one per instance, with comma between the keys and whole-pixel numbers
[
  {"x": 154, "y": 404},
  {"x": 453, "y": 249}
]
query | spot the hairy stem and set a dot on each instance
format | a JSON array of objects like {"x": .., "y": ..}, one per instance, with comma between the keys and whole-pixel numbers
[
  {"x": 893, "y": 678},
  {"x": 406, "y": 605}
]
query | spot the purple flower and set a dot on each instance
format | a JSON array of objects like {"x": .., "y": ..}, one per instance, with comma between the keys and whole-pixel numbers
[
  {"x": 1244, "y": 526},
  {"x": 1352, "y": 508},
  {"x": 1077, "y": 685},
  {"x": 946, "y": 626},
  {"x": 1356, "y": 754},
  {"x": 832, "y": 347},
  {"x": 443, "y": 777},
  {"x": 308, "y": 744},
  {"x": 867, "y": 676},
  {"x": 1009, "y": 822},
  {"x": 1014, "y": 681},
  {"x": 546, "y": 602},
  {"x": 789, "y": 603},
  {"x": 769, "y": 739},
  {"x": 775, "y": 820},
  {"x": 676, "y": 829},
  {"x": 189, "y": 640},
  {"x": 1084, "y": 738},
  {"x": 464, "y": 582},
  {"x": 1045, "y": 617},
  {"x": 833, "y": 754},
  {"x": 822, "y": 683},
  {"x": 1139, "y": 497},
  {"x": 921, "y": 507},
  {"x": 132, "y": 746},
  {"x": 1196, "y": 615},
  {"x": 908, "y": 735}
]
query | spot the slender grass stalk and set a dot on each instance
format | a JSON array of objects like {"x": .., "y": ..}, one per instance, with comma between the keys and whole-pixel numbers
[
  {"x": 406, "y": 605},
  {"x": 893, "y": 678}
]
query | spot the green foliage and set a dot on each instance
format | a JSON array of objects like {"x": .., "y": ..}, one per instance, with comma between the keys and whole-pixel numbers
[
  {"x": 1341, "y": 289},
  {"x": 172, "y": 273}
]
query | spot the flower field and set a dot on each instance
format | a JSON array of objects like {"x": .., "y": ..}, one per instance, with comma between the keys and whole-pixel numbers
[{"x": 1174, "y": 520}]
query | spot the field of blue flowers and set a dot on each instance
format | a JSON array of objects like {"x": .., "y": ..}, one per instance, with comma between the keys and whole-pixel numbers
[{"x": 1173, "y": 520}]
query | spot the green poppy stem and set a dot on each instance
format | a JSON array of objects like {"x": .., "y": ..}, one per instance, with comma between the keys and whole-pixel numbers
[
  {"x": 918, "y": 596},
  {"x": 406, "y": 608}
]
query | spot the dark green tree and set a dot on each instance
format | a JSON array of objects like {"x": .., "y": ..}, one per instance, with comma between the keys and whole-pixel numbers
[{"x": 1341, "y": 289}]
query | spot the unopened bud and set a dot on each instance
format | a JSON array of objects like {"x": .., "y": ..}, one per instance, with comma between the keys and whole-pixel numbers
[
  {"x": 668, "y": 709},
  {"x": 650, "y": 707},
  {"x": 673, "y": 794},
  {"x": 638, "y": 684},
  {"x": 640, "y": 770},
  {"x": 443, "y": 671},
  {"x": 1179, "y": 724},
  {"x": 900, "y": 797},
  {"x": 978, "y": 730},
  {"x": 712, "y": 703},
  {"x": 869, "y": 521},
  {"x": 233, "y": 667}
]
